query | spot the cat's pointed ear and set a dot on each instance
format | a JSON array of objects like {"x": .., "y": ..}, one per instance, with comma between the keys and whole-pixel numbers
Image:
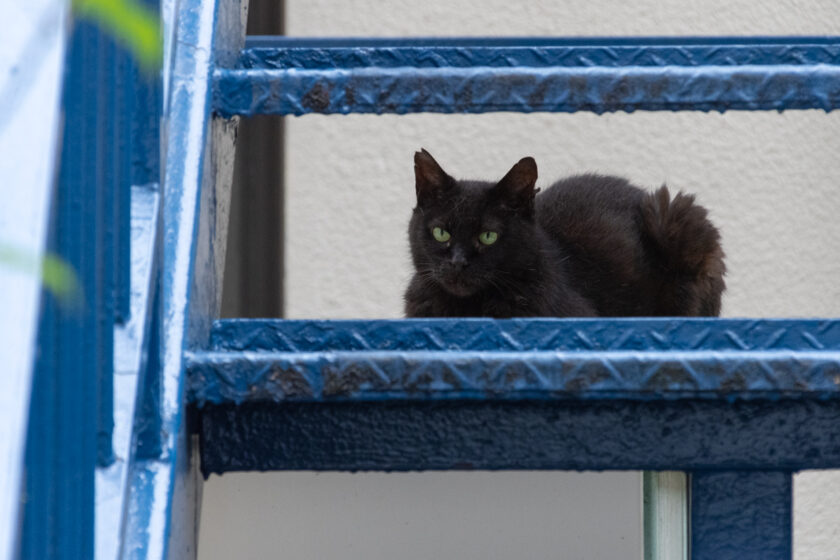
[
  {"x": 430, "y": 179},
  {"x": 516, "y": 189}
]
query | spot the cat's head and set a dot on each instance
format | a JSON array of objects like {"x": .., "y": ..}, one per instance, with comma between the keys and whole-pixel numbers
[{"x": 468, "y": 236}]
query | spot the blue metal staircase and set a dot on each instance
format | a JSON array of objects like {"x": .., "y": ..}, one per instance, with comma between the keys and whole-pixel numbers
[{"x": 122, "y": 389}]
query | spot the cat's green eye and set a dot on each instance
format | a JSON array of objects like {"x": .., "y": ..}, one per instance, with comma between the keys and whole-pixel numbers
[
  {"x": 488, "y": 237},
  {"x": 441, "y": 235}
]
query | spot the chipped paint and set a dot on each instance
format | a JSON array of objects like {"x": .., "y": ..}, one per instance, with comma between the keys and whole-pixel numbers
[
  {"x": 299, "y": 76},
  {"x": 547, "y": 359},
  {"x": 220, "y": 377},
  {"x": 501, "y": 52},
  {"x": 199, "y": 154},
  {"x": 741, "y": 404}
]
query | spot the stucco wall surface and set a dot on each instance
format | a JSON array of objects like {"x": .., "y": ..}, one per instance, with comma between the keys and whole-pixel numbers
[{"x": 769, "y": 180}]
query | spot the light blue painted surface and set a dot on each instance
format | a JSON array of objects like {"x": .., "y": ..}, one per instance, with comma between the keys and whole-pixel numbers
[
  {"x": 31, "y": 59},
  {"x": 665, "y": 508},
  {"x": 131, "y": 347},
  {"x": 153, "y": 481},
  {"x": 163, "y": 520}
]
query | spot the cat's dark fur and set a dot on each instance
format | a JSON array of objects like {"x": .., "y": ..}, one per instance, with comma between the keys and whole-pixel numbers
[{"x": 589, "y": 245}]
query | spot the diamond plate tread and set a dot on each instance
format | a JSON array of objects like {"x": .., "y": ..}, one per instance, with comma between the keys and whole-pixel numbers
[
  {"x": 651, "y": 359},
  {"x": 299, "y": 76},
  {"x": 526, "y": 334},
  {"x": 288, "y": 52}
]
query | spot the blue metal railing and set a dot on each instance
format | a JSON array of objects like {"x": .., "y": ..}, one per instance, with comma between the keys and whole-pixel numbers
[{"x": 739, "y": 404}]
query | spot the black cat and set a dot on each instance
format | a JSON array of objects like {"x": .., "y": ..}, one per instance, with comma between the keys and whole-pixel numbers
[{"x": 590, "y": 245}]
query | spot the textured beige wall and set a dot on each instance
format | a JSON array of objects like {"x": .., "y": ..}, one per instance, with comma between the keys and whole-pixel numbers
[
  {"x": 767, "y": 178},
  {"x": 770, "y": 181}
]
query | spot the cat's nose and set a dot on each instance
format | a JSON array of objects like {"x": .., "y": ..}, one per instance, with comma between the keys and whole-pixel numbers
[{"x": 458, "y": 259}]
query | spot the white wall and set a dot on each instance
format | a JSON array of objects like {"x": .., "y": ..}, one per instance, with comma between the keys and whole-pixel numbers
[{"x": 769, "y": 179}]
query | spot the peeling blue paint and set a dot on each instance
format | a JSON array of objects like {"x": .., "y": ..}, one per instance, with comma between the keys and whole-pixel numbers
[
  {"x": 373, "y": 375},
  {"x": 163, "y": 499},
  {"x": 154, "y": 484},
  {"x": 741, "y": 404},
  {"x": 280, "y": 77},
  {"x": 438, "y": 52},
  {"x": 545, "y": 359}
]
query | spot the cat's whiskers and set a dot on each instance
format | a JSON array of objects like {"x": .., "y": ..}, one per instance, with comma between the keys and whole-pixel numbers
[{"x": 502, "y": 284}]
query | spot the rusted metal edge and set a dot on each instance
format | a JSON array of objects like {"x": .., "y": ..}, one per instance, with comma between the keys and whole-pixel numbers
[
  {"x": 483, "y": 89},
  {"x": 237, "y": 377}
]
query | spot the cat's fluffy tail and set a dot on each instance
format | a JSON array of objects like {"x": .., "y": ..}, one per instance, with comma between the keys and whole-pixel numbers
[{"x": 690, "y": 255}]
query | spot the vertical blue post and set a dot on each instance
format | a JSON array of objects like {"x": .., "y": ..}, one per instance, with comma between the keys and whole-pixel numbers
[
  {"x": 146, "y": 107},
  {"x": 741, "y": 515},
  {"x": 105, "y": 182},
  {"x": 122, "y": 70}
]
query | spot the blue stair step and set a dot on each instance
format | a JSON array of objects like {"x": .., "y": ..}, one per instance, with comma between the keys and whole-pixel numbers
[
  {"x": 478, "y": 393},
  {"x": 281, "y": 75}
]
